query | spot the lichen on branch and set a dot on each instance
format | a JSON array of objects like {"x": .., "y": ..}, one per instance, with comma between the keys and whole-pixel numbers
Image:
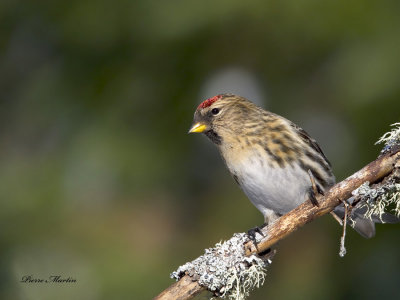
[
  {"x": 225, "y": 269},
  {"x": 391, "y": 139},
  {"x": 384, "y": 196},
  {"x": 380, "y": 198}
]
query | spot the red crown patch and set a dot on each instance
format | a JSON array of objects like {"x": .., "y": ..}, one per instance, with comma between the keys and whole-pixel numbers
[{"x": 209, "y": 101}]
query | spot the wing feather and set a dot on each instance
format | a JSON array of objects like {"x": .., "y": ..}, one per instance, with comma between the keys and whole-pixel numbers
[{"x": 310, "y": 141}]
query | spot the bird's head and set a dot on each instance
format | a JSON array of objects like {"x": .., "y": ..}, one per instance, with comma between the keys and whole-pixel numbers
[{"x": 222, "y": 117}]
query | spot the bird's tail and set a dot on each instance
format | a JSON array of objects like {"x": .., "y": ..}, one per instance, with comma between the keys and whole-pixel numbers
[{"x": 366, "y": 227}]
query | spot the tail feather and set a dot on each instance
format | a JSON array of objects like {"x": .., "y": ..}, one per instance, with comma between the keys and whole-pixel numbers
[
  {"x": 384, "y": 218},
  {"x": 387, "y": 218},
  {"x": 366, "y": 227}
]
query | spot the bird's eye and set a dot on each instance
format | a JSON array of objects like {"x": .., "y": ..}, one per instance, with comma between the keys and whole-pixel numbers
[{"x": 215, "y": 111}]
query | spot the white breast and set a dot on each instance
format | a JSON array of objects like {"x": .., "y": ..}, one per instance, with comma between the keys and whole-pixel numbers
[{"x": 272, "y": 189}]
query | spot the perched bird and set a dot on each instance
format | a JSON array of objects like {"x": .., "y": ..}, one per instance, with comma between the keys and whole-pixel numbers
[{"x": 273, "y": 160}]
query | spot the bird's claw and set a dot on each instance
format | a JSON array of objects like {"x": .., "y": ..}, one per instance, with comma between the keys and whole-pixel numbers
[
  {"x": 311, "y": 195},
  {"x": 314, "y": 190},
  {"x": 251, "y": 233}
]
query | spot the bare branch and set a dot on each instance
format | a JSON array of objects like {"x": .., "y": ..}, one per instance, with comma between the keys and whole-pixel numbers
[{"x": 187, "y": 288}]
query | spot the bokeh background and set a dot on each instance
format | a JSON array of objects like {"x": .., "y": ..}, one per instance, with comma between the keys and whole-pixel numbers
[{"x": 99, "y": 180}]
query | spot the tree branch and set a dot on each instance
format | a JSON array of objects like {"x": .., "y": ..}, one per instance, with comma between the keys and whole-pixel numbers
[
  {"x": 187, "y": 288},
  {"x": 307, "y": 212}
]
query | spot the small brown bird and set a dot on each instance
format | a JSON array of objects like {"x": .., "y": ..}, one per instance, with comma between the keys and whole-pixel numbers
[{"x": 270, "y": 157}]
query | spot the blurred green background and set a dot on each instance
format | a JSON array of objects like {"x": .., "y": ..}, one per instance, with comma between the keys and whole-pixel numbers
[{"x": 99, "y": 180}]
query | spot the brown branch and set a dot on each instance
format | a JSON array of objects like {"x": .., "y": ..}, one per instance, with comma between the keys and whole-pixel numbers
[{"x": 186, "y": 288}]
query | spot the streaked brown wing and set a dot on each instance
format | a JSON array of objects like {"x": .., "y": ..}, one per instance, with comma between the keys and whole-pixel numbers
[{"x": 310, "y": 141}]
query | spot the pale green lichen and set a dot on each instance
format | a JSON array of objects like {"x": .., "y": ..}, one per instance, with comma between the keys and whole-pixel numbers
[
  {"x": 239, "y": 284},
  {"x": 225, "y": 270},
  {"x": 391, "y": 138},
  {"x": 377, "y": 201},
  {"x": 385, "y": 196}
]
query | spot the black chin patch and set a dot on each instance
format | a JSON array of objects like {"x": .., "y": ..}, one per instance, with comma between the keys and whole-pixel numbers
[{"x": 213, "y": 136}]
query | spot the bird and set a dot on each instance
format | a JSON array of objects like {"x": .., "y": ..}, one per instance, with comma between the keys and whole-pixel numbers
[{"x": 275, "y": 162}]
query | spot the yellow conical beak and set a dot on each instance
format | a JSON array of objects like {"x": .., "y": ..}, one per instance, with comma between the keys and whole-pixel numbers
[{"x": 198, "y": 127}]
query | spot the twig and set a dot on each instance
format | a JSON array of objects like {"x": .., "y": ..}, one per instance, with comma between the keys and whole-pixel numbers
[
  {"x": 186, "y": 288},
  {"x": 337, "y": 218},
  {"x": 347, "y": 208}
]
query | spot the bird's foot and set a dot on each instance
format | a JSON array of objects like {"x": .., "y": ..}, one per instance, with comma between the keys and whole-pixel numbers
[
  {"x": 253, "y": 232},
  {"x": 311, "y": 195},
  {"x": 314, "y": 190}
]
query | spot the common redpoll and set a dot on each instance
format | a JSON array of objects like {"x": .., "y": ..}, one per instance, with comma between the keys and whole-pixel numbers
[{"x": 270, "y": 157}]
